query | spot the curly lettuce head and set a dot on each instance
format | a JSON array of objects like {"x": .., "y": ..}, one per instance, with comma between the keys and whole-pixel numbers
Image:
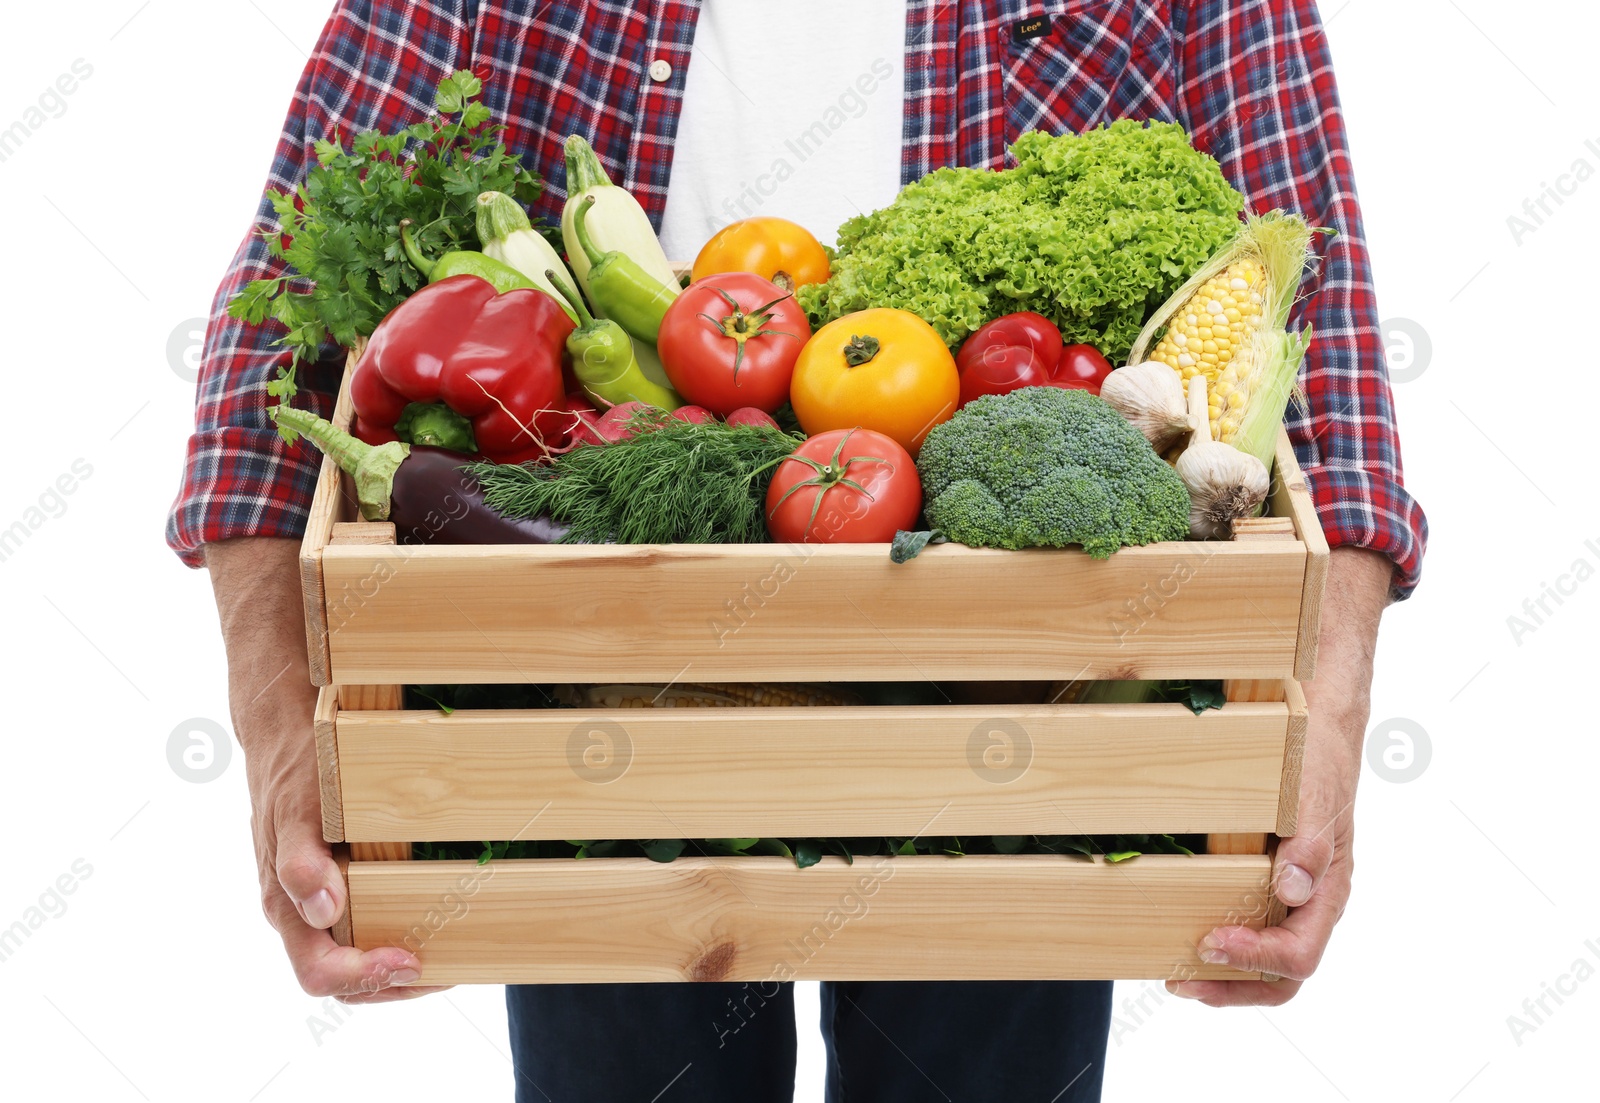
[{"x": 1093, "y": 231}]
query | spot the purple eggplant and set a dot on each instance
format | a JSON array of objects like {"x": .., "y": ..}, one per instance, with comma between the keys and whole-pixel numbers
[{"x": 425, "y": 491}]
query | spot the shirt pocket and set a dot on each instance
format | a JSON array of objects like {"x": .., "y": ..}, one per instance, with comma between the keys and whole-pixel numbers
[{"x": 1099, "y": 60}]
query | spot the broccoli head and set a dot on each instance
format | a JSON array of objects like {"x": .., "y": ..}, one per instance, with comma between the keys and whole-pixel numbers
[{"x": 1046, "y": 467}]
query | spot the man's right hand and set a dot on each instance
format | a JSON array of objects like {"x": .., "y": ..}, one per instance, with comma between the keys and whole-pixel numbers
[{"x": 257, "y": 586}]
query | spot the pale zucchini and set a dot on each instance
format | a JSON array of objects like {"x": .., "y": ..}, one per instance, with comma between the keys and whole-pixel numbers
[
  {"x": 508, "y": 237},
  {"x": 615, "y": 222}
]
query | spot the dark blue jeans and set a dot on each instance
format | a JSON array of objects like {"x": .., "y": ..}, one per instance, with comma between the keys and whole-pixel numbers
[{"x": 887, "y": 1042}]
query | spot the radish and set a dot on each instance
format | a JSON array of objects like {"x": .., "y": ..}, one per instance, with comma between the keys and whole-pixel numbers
[
  {"x": 749, "y": 415},
  {"x": 697, "y": 414},
  {"x": 612, "y": 425}
]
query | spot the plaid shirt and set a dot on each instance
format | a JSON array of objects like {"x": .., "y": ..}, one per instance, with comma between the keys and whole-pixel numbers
[{"x": 1250, "y": 79}]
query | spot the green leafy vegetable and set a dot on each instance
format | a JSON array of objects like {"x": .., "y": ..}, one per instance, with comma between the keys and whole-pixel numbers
[
  {"x": 341, "y": 227},
  {"x": 674, "y": 482},
  {"x": 1092, "y": 231}
]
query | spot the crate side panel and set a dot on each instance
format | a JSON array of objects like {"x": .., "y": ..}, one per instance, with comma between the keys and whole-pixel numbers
[
  {"x": 725, "y": 773},
  {"x": 840, "y": 612},
  {"x": 761, "y": 919}
]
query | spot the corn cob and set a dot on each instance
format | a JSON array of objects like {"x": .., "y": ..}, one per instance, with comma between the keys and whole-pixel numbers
[
  {"x": 1213, "y": 336},
  {"x": 1227, "y": 324},
  {"x": 706, "y": 695}
]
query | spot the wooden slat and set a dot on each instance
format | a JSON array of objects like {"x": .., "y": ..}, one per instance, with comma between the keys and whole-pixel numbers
[
  {"x": 328, "y": 765},
  {"x": 1293, "y": 757},
  {"x": 1243, "y": 842},
  {"x": 331, "y": 503},
  {"x": 340, "y": 931},
  {"x": 830, "y": 612},
  {"x": 761, "y": 919},
  {"x": 365, "y": 698},
  {"x": 890, "y": 770},
  {"x": 1291, "y": 499},
  {"x": 363, "y": 532},
  {"x": 1239, "y": 691},
  {"x": 1281, "y": 528}
]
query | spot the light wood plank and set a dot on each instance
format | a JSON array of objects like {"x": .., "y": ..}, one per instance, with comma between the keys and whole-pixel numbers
[
  {"x": 1238, "y": 692},
  {"x": 1290, "y": 498},
  {"x": 830, "y": 612},
  {"x": 340, "y": 930},
  {"x": 1245, "y": 842},
  {"x": 761, "y": 919},
  {"x": 1252, "y": 689},
  {"x": 1293, "y": 758},
  {"x": 332, "y": 501},
  {"x": 1277, "y": 528},
  {"x": 328, "y": 764},
  {"x": 365, "y": 698},
  {"x": 724, "y": 773},
  {"x": 363, "y": 532}
]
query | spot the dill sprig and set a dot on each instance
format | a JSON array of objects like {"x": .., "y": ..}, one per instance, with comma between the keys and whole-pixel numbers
[{"x": 675, "y": 482}]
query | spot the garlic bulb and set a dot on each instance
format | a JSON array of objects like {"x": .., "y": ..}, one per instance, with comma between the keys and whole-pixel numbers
[
  {"x": 1150, "y": 397},
  {"x": 1224, "y": 483}
]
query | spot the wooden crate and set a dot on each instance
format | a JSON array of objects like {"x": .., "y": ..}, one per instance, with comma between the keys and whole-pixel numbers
[{"x": 380, "y": 616}]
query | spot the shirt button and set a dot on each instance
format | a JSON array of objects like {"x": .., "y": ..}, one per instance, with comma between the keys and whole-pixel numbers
[{"x": 660, "y": 70}]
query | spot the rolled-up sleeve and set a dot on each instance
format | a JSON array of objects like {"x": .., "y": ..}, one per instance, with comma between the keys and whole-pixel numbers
[{"x": 1256, "y": 90}]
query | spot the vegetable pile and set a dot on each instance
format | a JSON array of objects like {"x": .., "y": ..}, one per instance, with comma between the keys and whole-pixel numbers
[
  {"x": 670, "y": 482},
  {"x": 947, "y": 375},
  {"x": 1092, "y": 231}
]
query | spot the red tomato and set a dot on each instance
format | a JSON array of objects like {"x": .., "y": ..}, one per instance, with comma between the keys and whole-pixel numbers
[
  {"x": 1024, "y": 350},
  {"x": 1081, "y": 367},
  {"x": 1015, "y": 351},
  {"x": 731, "y": 340},
  {"x": 847, "y": 486}
]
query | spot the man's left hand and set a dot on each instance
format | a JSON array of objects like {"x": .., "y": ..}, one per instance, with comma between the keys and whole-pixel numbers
[{"x": 1312, "y": 871}]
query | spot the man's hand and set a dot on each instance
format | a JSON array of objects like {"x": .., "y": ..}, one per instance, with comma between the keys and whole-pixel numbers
[
  {"x": 1313, "y": 869},
  {"x": 257, "y": 588}
]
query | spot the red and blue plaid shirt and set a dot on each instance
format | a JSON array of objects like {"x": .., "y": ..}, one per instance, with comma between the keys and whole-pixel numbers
[{"x": 1251, "y": 80}]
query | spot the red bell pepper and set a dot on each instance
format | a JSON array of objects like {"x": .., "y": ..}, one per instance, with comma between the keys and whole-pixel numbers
[
  {"x": 1024, "y": 350},
  {"x": 457, "y": 366}
]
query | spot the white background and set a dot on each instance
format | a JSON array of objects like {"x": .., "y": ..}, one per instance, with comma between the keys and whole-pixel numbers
[{"x": 161, "y": 981}]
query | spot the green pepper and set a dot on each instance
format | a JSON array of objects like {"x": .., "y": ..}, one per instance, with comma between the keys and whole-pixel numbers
[
  {"x": 464, "y": 262},
  {"x": 603, "y": 359},
  {"x": 620, "y": 288}
]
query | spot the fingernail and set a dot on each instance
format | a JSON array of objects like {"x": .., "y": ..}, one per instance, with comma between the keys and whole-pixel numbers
[
  {"x": 319, "y": 910},
  {"x": 404, "y": 976},
  {"x": 1211, "y": 953},
  {"x": 1294, "y": 886},
  {"x": 1183, "y": 990}
]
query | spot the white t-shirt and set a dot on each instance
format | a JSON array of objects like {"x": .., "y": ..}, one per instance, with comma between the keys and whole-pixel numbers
[{"x": 791, "y": 110}]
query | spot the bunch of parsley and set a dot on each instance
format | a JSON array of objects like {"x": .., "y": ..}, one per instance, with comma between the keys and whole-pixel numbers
[{"x": 340, "y": 230}]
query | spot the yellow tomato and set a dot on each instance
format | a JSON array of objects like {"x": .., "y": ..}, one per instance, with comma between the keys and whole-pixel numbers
[
  {"x": 773, "y": 248},
  {"x": 884, "y": 370}
]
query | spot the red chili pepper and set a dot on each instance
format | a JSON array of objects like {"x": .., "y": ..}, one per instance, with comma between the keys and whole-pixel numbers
[
  {"x": 457, "y": 366},
  {"x": 1024, "y": 350}
]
